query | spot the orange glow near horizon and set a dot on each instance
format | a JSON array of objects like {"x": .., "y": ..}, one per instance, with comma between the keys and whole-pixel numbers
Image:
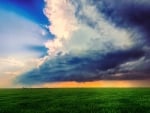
[{"x": 101, "y": 84}]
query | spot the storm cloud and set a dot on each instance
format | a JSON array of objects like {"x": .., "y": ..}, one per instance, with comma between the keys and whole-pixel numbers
[{"x": 95, "y": 40}]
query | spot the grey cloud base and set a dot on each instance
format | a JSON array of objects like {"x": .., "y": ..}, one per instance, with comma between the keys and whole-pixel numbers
[{"x": 87, "y": 67}]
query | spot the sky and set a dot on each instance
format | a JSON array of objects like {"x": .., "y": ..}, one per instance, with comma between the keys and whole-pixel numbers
[{"x": 74, "y": 43}]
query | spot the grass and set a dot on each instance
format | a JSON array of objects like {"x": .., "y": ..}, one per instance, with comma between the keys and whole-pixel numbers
[{"x": 109, "y": 100}]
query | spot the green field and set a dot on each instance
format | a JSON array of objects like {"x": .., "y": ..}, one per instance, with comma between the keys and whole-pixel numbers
[{"x": 131, "y": 100}]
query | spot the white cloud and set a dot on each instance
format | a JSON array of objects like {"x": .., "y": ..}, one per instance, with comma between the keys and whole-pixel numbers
[
  {"x": 63, "y": 23},
  {"x": 72, "y": 34},
  {"x": 12, "y": 67}
]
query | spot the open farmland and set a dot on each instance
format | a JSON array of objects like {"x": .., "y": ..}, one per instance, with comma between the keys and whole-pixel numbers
[{"x": 96, "y": 100}]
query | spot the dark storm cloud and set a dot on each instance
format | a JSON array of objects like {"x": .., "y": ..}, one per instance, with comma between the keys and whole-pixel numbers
[
  {"x": 119, "y": 64},
  {"x": 87, "y": 67},
  {"x": 127, "y": 13},
  {"x": 132, "y": 15}
]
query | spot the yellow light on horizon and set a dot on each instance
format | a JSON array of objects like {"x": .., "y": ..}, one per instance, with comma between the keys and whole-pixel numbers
[{"x": 100, "y": 84}]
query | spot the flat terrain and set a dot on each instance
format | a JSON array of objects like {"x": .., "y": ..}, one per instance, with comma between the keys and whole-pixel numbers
[{"x": 131, "y": 100}]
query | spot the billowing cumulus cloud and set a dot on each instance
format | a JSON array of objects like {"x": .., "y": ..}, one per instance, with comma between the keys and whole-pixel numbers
[
  {"x": 94, "y": 40},
  {"x": 73, "y": 32}
]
